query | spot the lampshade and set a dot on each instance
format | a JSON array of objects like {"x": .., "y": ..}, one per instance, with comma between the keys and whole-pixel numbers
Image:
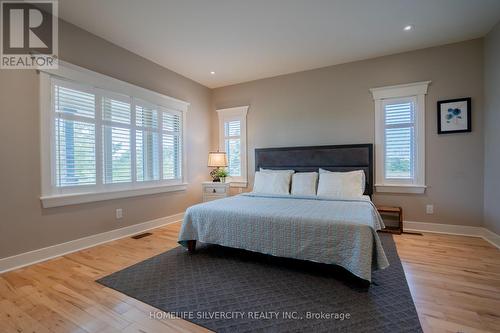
[{"x": 217, "y": 159}]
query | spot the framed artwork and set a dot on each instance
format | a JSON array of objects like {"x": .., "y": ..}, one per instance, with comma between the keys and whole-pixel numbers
[{"x": 454, "y": 116}]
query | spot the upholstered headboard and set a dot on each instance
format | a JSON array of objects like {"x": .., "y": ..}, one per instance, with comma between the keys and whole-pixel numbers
[{"x": 306, "y": 159}]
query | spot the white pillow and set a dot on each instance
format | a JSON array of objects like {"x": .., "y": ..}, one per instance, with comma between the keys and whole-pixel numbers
[
  {"x": 363, "y": 183},
  {"x": 304, "y": 183},
  {"x": 272, "y": 182},
  {"x": 341, "y": 184}
]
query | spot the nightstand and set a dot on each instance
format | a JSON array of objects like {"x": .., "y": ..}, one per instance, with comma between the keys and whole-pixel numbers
[{"x": 214, "y": 190}]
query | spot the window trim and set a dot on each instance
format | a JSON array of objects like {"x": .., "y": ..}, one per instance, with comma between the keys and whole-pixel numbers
[
  {"x": 52, "y": 196},
  {"x": 235, "y": 113},
  {"x": 418, "y": 90}
]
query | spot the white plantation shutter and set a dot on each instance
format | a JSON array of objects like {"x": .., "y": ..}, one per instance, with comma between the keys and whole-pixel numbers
[
  {"x": 171, "y": 134},
  {"x": 147, "y": 143},
  {"x": 117, "y": 111},
  {"x": 399, "y": 137},
  {"x": 110, "y": 142},
  {"x": 232, "y": 143},
  {"x": 116, "y": 136},
  {"x": 158, "y": 143},
  {"x": 71, "y": 99},
  {"x": 75, "y": 135}
]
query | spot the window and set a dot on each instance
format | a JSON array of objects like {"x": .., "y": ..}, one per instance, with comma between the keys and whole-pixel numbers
[
  {"x": 232, "y": 146},
  {"x": 116, "y": 136},
  {"x": 75, "y": 139},
  {"x": 232, "y": 132},
  {"x": 400, "y": 138},
  {"x": 114, "y": 141}
]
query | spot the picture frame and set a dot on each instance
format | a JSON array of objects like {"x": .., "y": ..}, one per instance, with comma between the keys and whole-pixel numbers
[{"x": 454, "y": 116}]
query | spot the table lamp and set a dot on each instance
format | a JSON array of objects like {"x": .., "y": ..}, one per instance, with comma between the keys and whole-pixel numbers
[{"x": 216, "y": 160}]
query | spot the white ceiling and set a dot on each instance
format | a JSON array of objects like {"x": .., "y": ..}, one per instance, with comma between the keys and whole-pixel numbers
[{"x": 244, "y": 40}]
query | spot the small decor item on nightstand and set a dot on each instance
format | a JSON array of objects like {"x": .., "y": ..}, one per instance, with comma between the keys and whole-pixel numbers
[
  {"x": 454, "y": 116},
  {"x": 222, "y": 174},
  {"x": 216, "y": 160}
]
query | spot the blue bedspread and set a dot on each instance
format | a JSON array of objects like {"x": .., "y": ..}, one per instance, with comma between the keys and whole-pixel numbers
[{"x": 340, "y": 232}]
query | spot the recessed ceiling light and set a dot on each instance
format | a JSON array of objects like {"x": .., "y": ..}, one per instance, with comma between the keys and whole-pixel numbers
[
  {"x": 408, "y": 28},
  {"x": 212, "y": 72}
]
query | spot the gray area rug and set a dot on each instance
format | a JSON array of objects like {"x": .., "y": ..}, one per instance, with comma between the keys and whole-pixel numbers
[{"x": 229, "y": 290}]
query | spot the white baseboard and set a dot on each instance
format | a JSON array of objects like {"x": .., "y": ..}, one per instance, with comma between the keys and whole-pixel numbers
[
  {"x": 491, "y": 237},
  {"x": 452, "y": 229},
  {"x": 50, "y": 252}
]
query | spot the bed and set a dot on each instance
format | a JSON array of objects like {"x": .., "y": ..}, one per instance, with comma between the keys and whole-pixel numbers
[{"x": 331, "y": 231}]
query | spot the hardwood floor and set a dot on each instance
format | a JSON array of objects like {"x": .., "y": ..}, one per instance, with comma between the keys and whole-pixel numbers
[{"x": 454, "y": 280}]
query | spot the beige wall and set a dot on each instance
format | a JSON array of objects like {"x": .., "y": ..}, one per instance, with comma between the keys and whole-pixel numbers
[
  {"x": 333, "y": 105},
  {"x": 325, "y": 106},
  {"x": 24, "y": 225},
  {"x": 492, "y": 131}
]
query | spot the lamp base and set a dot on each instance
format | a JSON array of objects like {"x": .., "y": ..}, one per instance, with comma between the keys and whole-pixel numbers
[{"x": 214, "y": 176}]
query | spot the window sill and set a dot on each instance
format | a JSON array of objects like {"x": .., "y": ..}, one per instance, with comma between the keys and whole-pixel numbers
[
  {"x": 392, "y": 188},
  {"x": 73, "y": 199},
  {"x": 242, "y": 184}
]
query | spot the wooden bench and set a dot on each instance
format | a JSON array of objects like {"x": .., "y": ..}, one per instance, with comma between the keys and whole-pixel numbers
[{"x": 392, "y": 210}]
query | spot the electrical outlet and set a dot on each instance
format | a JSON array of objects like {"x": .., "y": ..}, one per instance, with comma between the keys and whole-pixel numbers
[
  {"x": 119, "y": 213},
  {"x": 430, "y": 209},
  {"x": 240, "y": 190}
]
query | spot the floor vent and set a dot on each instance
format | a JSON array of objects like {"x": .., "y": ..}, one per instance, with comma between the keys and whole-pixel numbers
[{"x": 146, "y": 234}]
